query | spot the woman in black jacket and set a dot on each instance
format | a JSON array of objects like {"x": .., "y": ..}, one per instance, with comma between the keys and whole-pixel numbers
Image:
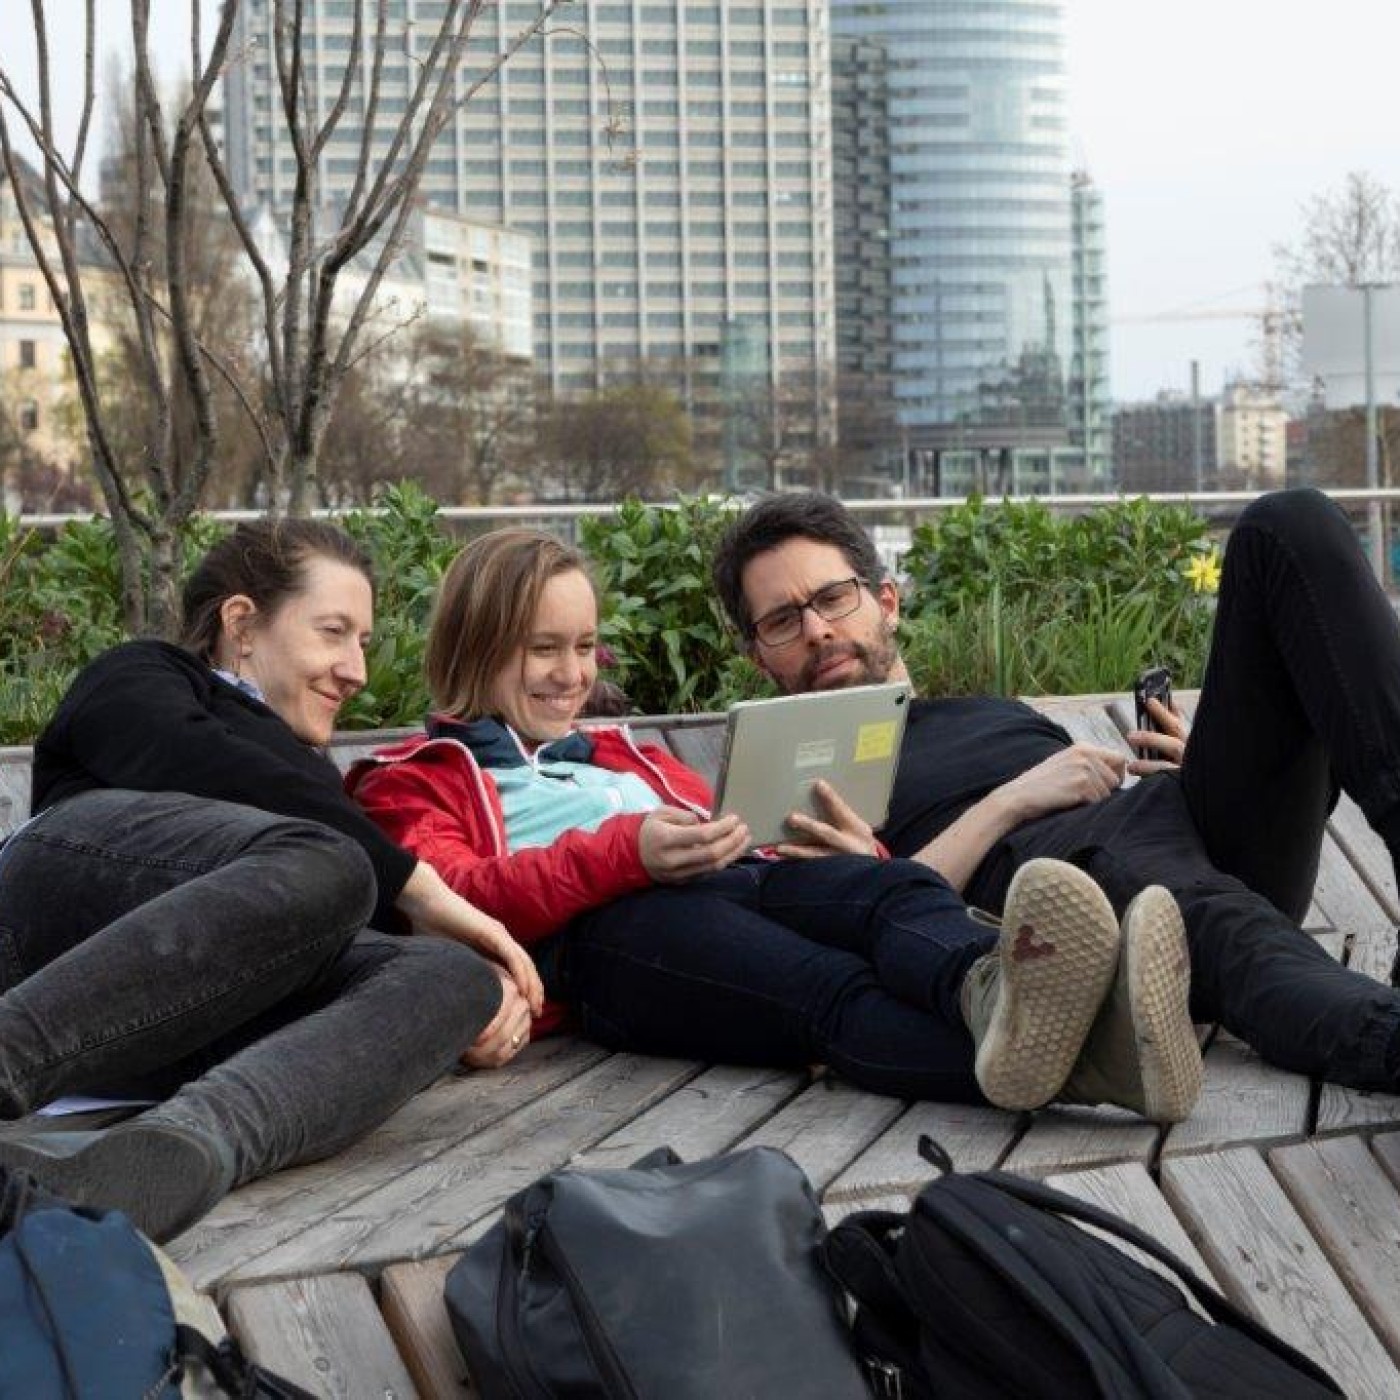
[{"x": 187, "y": 908}]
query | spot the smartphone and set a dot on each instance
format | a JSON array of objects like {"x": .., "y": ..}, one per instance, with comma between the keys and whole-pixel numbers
[{"x": 1155, "y": 683}]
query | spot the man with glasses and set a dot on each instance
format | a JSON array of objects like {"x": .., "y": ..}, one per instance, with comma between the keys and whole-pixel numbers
[{"x": 1302, "y": 692}]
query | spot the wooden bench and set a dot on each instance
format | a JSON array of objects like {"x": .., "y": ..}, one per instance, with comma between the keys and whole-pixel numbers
[{"x": 1287, "y": 1192}]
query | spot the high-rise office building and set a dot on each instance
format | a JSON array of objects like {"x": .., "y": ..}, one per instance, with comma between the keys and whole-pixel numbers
[
  {"x": 981, "y": 229},
  {"x": 1088, "y": 400},
  {"x": 670, "y": 161}
]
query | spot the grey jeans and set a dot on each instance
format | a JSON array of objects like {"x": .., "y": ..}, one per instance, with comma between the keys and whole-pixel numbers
[{"x": 169, "y": 940}]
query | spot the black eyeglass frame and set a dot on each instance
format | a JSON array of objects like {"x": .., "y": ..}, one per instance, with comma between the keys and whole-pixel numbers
[{"x": 810, "y": 603}]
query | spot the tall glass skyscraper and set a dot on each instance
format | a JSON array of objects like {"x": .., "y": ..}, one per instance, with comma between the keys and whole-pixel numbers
[{"x": 980, "y": 232}]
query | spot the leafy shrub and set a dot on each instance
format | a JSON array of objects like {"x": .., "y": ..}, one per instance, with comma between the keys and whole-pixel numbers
[
  {"x": 411, "y": 552},
  {"x": 661, "y": 618},
  {"x": 1012, "y": 599},
  {"x": 1002, "y": 599}
]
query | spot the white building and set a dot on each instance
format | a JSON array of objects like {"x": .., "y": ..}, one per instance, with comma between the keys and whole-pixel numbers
[{"x": 671, "y": 163}]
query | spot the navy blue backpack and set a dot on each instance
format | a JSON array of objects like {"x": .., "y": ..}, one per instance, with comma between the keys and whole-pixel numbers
[{"x": 91, "y": 1310}]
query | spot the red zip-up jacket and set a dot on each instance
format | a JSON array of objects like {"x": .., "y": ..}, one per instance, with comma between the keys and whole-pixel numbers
[{"x": 431, "y": 796}]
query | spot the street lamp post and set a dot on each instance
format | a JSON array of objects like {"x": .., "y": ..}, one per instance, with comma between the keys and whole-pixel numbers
[{"x": 1374, "y": 523}]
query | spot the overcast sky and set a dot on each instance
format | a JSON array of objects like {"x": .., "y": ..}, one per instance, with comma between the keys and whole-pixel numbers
[{"x": 1206, "y": 123}]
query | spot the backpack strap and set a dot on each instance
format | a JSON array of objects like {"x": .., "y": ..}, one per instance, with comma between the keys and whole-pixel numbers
[
  {"x": 1215, "y": 1304},
  {"x": 232, "y": 1372},
  {"x": 962, "y": 1206}
]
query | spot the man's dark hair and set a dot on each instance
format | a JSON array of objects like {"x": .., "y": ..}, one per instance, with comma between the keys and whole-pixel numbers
[{"x": 773, "y": 521}]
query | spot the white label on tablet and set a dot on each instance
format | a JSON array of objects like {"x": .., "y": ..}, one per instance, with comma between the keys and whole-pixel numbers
[{"x": 815, "y": 753}]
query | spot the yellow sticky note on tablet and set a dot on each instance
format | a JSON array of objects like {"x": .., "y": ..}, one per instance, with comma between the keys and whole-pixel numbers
[{"x": 875, "y": 741}]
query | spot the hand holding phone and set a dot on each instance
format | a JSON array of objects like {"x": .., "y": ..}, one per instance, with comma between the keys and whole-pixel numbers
[{"x": 1155, "y": 683}]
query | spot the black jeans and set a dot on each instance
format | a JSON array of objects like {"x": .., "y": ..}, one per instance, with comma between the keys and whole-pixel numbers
[
  {"x": 1301, "y": 696},
  {"x": 848, "y": 961},
  {"x": 214, "y": 949}
]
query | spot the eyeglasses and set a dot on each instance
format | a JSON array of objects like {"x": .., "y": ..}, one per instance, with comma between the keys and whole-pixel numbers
[{"x": 831, "y": 602}]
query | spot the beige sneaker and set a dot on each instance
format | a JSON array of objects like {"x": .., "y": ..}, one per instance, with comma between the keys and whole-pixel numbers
[
  {"x": 1030, "y": 1004},
  {"x": 1142, "y": 1051}
]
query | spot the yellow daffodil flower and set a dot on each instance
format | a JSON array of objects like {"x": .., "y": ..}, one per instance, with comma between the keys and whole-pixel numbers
[{"x": 1203, "y": 572}]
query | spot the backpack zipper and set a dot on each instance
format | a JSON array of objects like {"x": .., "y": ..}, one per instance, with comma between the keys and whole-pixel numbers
[
  {"x": 524, "y": 1383},
  {"x": 595, "y": 1337}
]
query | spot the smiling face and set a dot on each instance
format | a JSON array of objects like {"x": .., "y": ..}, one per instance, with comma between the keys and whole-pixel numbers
[
  {"x": 858, "y": 649},
  {"x": 307, "y": 656},
  {"x": 542, "y": 685}
]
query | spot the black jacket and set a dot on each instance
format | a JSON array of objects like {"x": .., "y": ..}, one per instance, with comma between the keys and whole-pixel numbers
[{"x": 151, "y": 717}]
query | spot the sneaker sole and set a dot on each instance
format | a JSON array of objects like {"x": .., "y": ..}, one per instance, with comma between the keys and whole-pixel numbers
[
  {"x": 1157, "y": 962},
  {"x": 1059, "y": 952},
  {"x": 161, "y": 1178}
]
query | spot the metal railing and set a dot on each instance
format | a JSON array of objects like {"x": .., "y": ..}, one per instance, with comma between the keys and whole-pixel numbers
[{"x": 1212, "y": 502}]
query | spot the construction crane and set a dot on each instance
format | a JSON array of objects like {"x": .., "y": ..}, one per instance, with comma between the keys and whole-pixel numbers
[{"x": 1274, "y": 324}]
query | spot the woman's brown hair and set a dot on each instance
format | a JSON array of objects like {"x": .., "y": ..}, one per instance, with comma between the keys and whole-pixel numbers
[
  {"x": 485, "y": 610},
  {"x": 264, "y": 560}
]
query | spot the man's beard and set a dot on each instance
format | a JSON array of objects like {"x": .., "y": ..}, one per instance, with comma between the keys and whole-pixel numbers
[{"x": 876, "y": 661}]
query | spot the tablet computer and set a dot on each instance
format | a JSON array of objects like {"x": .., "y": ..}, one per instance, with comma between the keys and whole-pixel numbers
[{"x": 775, "y": 750}]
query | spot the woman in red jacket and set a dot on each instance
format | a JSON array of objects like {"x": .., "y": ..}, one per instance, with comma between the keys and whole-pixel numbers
[{"x": 646, "y": 916}]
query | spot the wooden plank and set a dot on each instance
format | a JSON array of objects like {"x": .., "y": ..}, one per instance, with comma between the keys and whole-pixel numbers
[
  {"x": 323, "y": 1333},
  {"x": 264, "y": 1214},
  {"x": 827, "y": 1127},
  {"x": 1129, "y": 1191},
  {"x": 834, "y": 1212},
  {"x": 1062, "y": 1137},
  {"x": 700, "y": 747},
  {"x": 1338, "y": 1108},
  {"x": 410, "y": 1296},
  {"x": 1353, "y": 1211},
  {"x": 428, "y": 1208},
  {"x": 1367, "y": 853},
  {"x": 705, "y": 1116},
  {"x": 1085, "y": 718},
  {"x": 1243, "y": 1100},
  {"x": 1349, "y": 903},
  {"x": 975, "y": 1136},
  {"x": 1387, "y": 1152},
  {"x": 1267, "y": 1262},
  {"x": 14, "y": 788}
]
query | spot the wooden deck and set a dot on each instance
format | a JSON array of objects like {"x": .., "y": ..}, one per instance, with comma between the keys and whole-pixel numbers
[{"x": 1286, "y": 1192}]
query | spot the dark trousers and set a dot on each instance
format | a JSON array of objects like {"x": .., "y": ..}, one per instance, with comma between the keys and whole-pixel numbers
[
  {"x": 1301, "y": 696},
  {"x": 847, "y": 961},
  {"x": 156, "y": 939}
]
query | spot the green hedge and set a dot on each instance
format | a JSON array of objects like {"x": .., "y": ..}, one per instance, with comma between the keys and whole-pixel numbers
[{"x": 998, "y": 598}]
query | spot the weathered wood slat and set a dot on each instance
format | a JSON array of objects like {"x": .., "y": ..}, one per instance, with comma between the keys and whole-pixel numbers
[
  {"x": 1243, "y": 1100},
  {"x": 707, "y": 1115},
  {"x": 1386, "y": 1148},
  {"x": 1063, "y": 1137},
  {"x": 1339, "y": 1109},
  {"x": 1085, "y": 718},
  {"x": 1367, "y": 853},
  {"x": 1265, "y": 1259},
  {"x": 14, "y": 788},
  {"x": 974, "y": 1136},
  {"x": 278, "y": 1208},
  {"x": 1353, "y": 1211},
  {"x": 323, "y": 1333},
  {"x": 826, "y": 1127},
  {"x": 1127, "y": 1190},
  {"x": 416, "y": 1315},
  {"x": 429, "y": 1208},
  {"x": 700, "y": 747}
]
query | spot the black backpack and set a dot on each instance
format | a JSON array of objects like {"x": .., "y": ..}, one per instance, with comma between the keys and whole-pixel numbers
[
  {"x": 661, "y": 1281},
  {"x": 985, "y": 1289}
]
